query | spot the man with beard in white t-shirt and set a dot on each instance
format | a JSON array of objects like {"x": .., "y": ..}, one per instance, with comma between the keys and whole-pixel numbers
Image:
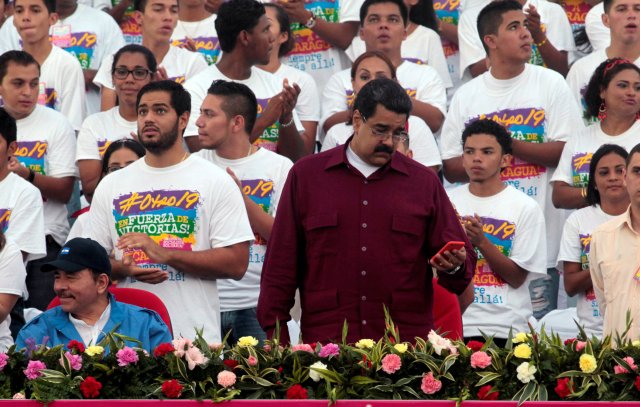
[
  {"x": 177, "y": 222},
  {"x": 536, "y": 106},
  {"x": 44, "y": 157},
  {"x": 226, "y": 119}
]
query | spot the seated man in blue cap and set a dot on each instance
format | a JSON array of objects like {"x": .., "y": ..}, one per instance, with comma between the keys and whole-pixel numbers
[{"x": 87, "y": 310}]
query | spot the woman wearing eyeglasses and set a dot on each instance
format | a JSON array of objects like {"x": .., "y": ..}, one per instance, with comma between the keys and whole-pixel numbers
[
  {"x": 133, "y": 67},
  {"x": 373, "y": 65},
  {"x": 118, "y": 155}
]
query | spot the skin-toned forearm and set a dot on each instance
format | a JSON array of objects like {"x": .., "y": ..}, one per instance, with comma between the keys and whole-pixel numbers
[
  {"x": 449, "y": 32},
  {"x": 261, "y": 222},
  {"x": 90, "y": 172},
  {"x": 554, "y": 59},
  {"x": 7, "y": 301},
  {"x": 466, "y": 298},
  {"x": 309, "y": 137},
  {"x": 336, "y": 118},
  {"x": 89, "y": 74},
  {"x": 430, "y": 114},
  {"x": 501, "y": 265},
  {"x": 260, "y": 125},
  {"x": 576, "y": 280},
  {"x": 453, "y": 170},
  {"x": 479, "y": 68},
  {"x": 222, "y": 262},
  {"x": 193, "y": 143},
  {"x": 56, "y": 189},
  {"x": 117, "y": 12},
  {"x": 565, "y": 196},
  {"x": 290, "y": 142},
  {"x": 339, "y": 35},
  {"x": 544, "y": 154},
  {"x": 107, "y": 98}
]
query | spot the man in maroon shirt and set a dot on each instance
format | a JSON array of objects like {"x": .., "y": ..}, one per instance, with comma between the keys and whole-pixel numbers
[{"x": 355, "y": 229}]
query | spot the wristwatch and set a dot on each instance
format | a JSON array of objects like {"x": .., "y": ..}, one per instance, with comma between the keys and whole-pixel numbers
[
  {"x": 453, "y": 271},
  {"x": 311, "y": 22}
]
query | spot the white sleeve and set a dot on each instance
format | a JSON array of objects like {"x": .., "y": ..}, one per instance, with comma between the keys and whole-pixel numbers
[
  {"x": 599, "y": 35},
  {"x": 278, "y": 184},
  {"x": 437, "y": 60},
  {"x": 559, "y": 29},
  {"x": 101, "y": 4},
  {"x": 197, "y": 65},
  {"x": 87, "y": 144},
  {"x": 564, "y": 114},
  {"x": 349, "y": 10},
  {"x": 101, "y": 215},
  {"x": 329, "y": 140},
  {"x": 103, "y": 76},
  {"x": 563, "y": 170},
  {"x": 431, "y": 89},
  {"x": 529, "y": 245},
  {"x": 308, "y": 104},
  {"x": 421, "y": 141},
  {"x": 334, "y": 98},
  {"x": 228, "y": 219},
  {"x": 26, "y": 227},
  {"x": 9, "y": 38},
  {"x": 62, "y": 151},
  {"x": 573, "y": 80},
  {"x": 12, "y": 271},
  {"x": 570, "y": 247},
  {"x": 72, "y": 93},
  {"x": 198, "y": 93},
  {"x": 451, "y": 133},
  {"x": 112, "y": 41},
  {"x": 469, "y": 43}
]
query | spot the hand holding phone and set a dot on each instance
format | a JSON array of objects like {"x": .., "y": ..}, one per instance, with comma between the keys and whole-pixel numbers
[{"x": 441, "y": 263}]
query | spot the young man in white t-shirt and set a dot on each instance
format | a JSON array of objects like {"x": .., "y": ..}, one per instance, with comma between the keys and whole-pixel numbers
[
  {"x": 506, "y": 228},
  {"x": 176, "y": 222},
  {"x": 246, "y": 40},
  {"x": 622, "y": 17},
  {"x": 61, "y": 79},
  {"x": 196, "y": 30},
  {"x": 226, "y": 119},
  {"x": 383, "y": 28},
  {"x": 44, "y": 157},
  {"x": 536, "y": 106}
]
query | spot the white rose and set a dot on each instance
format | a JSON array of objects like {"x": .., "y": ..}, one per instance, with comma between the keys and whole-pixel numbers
[
  {"x": 438, "y": 342},
  {"x": 315, "y": 376},
  {"x": 526, "y": 372}
]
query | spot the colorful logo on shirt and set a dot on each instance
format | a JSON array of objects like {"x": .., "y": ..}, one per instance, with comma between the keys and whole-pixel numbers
[
  {"x": 576, "y": 11},
  {"x": 260, "y": 191},
  {"x": 5, "y": 216},
  {"x": 307, "y": 53},
  {"x": 32, "y": 155},
  {"x": 168, "y": 217},
  {"x": 102, "y": 146},
  {"x": 47, "y": 96},
  {"x": 447, "y": 10},
  {"x": 580, "y": 164},
  {"x": 270, "y": 135},
  {"x": 131, "y": 30},
  {"x": 585, "y": 246},
  {"x": 351, "y": 97},
  {"x": 82, "y": 46},
  {"x": 178, "y": 79},
  {"x": 500, "y": 233},
  {"x": 207, "y": 46}
]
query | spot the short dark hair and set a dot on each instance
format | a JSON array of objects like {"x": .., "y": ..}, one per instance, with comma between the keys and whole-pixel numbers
[
  {"x": 180, "y": 98},
  {"x": 372, "y": 54},
  {"x": 593, "y": 195},
  {"x": 21, "y": 58},
  {"x": 8, "y": 129},
  {"x": 492, "y": 128},
  {"x": 634, "y": 150},
  {"x": 490, "y": 17},
  {"x": 600, "y": 80},
  {"x": 238, "y": 100},
  {"x": 128, "y": 143},
  {"x": 135, "y": 49},
  {"x": 424, "y": 14},
  {"x": 385, "y": 92},
  {"x": 49, "y": 4},
  {"x": 364, "y": 9},
  {"x": 235, "y": 16},
  {"x": 285, "y": 27},
  {"x": 607, "y": 5}
]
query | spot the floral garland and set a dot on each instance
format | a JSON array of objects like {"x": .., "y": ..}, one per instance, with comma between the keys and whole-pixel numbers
[{"x": 544, "y": 368}]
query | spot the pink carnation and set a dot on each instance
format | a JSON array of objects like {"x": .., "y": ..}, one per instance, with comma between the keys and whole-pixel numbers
[
  {"x": 181, "y": 345},
  {"x": 480, "y": 359},
  {"x": 302, "y": 347},
  {"x": 194, "y": 357},
  {"x": 430, "y": 384},
  {"x": 391, "y": 363},
  {"x": 18, "y": 396},
  {"x": 330, "y": 349},
  {"x": 267, "y": 348},
  {"x": 226, "y": 378},
  {"x": 252, "y": 361},
  {"x": 3, "y": 360},
  {"x": 619, "y": 369},
  {"x": 33, "y": 369},
  {"x": 75, "y": 361},
  {"x": 580, "y": 345},
  {"x": 126, "y": 356}
]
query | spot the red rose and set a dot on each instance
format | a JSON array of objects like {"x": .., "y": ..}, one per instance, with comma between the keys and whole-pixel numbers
[
  {"x": 569, "y": 341},
  {"x": 475, "y": 345},
  {"x": 163, "y": 349},
  {"x": 90, "y": 387},
  {"x": 73, "y": 344},
  {"x": 483, "y": 393},
  {"x": 637, "y": 383},
  {"x": 563, "y": 388},
  {"x": 297, "y": 392},
  {"x": 172, "y": 389},
  {"x": 230, "y": 363}
]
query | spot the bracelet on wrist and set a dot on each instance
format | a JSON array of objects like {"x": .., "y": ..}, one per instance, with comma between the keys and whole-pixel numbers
[
  {"x": 541, "y": 43},
  {"x": 287, "y": 124},
  {"x": 32, "y": 176}
]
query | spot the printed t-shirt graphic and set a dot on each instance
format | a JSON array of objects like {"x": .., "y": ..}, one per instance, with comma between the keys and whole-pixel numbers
[
  {"x": 203, "y": 33},
  {"x": 500, "y": 233},
  {"x": 5, "y": 217},
  {"x": 32, "y": 154},
  {"x": 131, "y": 30},
  {"x": 447, "y": 12}
]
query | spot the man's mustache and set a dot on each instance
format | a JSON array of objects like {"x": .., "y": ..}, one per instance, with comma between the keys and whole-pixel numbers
[{"x": 383, "y": 148}]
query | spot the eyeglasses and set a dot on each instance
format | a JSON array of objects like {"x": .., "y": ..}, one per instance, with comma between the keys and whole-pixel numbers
[
  {"x": 396, "y": 137},
  {"x": 114, "y": 169},
  {"x": 137, "y": 73}
]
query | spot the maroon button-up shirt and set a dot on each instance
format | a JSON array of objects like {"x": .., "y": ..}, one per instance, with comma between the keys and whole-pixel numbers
[{"x": 352, "y": 244}]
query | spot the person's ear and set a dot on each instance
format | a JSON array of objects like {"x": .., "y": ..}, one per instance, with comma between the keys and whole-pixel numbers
[
  {"x": 53, "y": 18},
  {"x": 102, "y": 283},
  {"x": 12, "y": 147},
  {"x": 490, "y": 41},
  {"x": 505, "y": 161},
  {"x": 357, "y": 121}
]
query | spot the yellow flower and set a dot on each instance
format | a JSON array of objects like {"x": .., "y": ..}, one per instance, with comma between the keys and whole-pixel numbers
[
  {"x": 588, "y": 363},
  {"x": 247, "y": 341},
  {"x": 636, "y": 343},
  {"x": 520, "y": 337},
  {"x": 94, "y": 350},
  {"x": 522, "y": 351},
  {"x": 365, "y": 344},
  {"x": 400, "y": 347}
]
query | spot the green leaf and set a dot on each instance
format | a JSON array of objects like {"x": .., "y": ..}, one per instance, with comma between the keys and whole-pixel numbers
[{"x": 487, "y": 377}]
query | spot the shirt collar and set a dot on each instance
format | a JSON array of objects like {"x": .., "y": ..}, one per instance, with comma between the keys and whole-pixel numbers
[
  {"x": 339, "y": 157},
  {"x": 626, "y": 220}
]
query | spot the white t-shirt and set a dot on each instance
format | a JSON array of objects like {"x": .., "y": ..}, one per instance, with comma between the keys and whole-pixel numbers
[
  {"x": 81, "y": 227},
  {"x": 421, "y": 141},
  {"x": 554, "y": 23},
  {"x": 62, "y": 86},
  {"x": 179, "y": 63},
  {"x": 192, "y": 206},
  {"x": 422, "y": 46},
  {"x": 308, "y": 104},
  {"x": 448, "y": 12},
  {"x": 420, "y": 81},
  {"x": 97, "y": 4},
  {"x": 581, "y": 72},
  {"x": 101, "y": 129},
  {"x": 574, "y": 164},
  {"x": 314, "y": 55},
  {"x": 204, "y": 34},
  {"x": 12, "y": 281},
  {"x": 21, "y": 217},
  {"x": 264, "y": 85},
  {"x": 47, "y": 145},
  {"x": 598, "y": 33},
  {"x": 536, "y": 106},
  {"x": 262, "y": 175},
  {"x": 514, "y": 223},
  {"x": 574, "y": 247}
]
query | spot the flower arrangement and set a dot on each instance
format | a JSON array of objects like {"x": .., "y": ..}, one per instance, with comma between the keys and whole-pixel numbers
[{"x": 532, "y": 366}]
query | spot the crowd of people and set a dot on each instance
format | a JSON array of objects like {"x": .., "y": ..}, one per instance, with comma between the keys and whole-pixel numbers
[{"x": 302, "y": 164}]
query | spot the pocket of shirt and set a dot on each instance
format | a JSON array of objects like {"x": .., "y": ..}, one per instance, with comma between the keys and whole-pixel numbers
[
  {"x": 407, "y": 237},
  {"x": 321, "y": 234},
  {"x": 616, "y": 283}
]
